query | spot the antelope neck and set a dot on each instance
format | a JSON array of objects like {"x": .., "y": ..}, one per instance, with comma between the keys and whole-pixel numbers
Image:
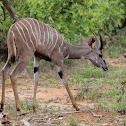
[{"x": 77, "y": 52}]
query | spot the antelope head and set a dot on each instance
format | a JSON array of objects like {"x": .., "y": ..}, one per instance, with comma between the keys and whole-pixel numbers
[{"x": 94, "y": 53}]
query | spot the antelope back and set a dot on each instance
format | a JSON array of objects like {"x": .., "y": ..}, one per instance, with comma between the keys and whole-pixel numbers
[{"x": 33, "y": 35}]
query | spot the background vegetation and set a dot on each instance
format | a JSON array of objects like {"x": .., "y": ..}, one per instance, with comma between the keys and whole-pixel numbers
[{"x": 72, "y": 17}]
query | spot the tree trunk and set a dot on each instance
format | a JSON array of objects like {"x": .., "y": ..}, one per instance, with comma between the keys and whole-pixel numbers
[
  {"x": 10, "y": 9},
  {"x": 3, "y": 50}
]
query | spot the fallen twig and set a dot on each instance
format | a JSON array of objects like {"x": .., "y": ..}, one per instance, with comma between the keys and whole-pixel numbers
[
  {"x": 25, "y": 121},
  {"x": 22, "y": 114},
  {"x": 96, "y": 115},
  {"x": 111, "y": 38}
]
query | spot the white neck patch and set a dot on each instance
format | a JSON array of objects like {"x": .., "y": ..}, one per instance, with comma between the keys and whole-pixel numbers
[{"x": 67, "y": 57}]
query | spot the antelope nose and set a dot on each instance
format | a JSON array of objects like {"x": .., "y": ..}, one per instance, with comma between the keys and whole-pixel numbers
[{"x": 105, "y": 68}]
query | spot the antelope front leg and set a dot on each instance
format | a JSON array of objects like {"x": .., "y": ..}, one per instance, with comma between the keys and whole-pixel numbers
[
  {"x": 64, "y": 80},
  {"x": 36, "y": 76}
]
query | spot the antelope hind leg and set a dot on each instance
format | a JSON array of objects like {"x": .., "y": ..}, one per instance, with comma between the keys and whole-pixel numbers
[
  {"x": 18, "y": 69},
  {"x": 5, "y": 70}
]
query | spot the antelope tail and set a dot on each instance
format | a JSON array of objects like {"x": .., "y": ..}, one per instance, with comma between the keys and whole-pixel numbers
[{"x": 11, "y": 46}]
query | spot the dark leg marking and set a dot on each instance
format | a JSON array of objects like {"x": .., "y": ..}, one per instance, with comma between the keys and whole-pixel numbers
[
  {"x": 60, "y": 74},
  {"x": 36, "y": 69}
]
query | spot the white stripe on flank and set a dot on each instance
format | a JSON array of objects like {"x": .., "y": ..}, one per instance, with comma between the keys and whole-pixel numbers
[
  {"x": 61, "y": 45},
  {"x": 51, "y": 31},
  {"x": 39, "y": 32},
  {"x": 29, "y": 35},
  {"x": 20, "y": 34},
  {"x": 44, "y": 34},
  {"x": 56, "y": 41},
  {"x": 24, "y": 35},
  {"x": 14, "y": 43},
  {"x": 35, "y": 31},
  {"x": 31, "y": 30},
  {"x": 48, "y": 35}
]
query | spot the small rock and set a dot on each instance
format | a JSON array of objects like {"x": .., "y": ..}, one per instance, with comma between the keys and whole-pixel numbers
[
  {"x": 1, "y": 116},
  {"x": 60, "y": 118},
  {"x": 106, "y": 125}
]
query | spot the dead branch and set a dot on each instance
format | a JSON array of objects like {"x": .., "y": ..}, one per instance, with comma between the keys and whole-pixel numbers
[
  {"x": 111, "y": 38},
  {"x": 25, "y": 113},
  {"x": 3, "y": 13},
  {"x": 96, "y": 115}
]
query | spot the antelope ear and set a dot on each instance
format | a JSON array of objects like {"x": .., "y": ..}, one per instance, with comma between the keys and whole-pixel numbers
[
  {"x": 84, "y": 40},
  {"x": 92, "y": 42}
]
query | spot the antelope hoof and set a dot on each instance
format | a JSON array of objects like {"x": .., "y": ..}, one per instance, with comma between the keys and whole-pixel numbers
[{"x": 76, "y": 107}]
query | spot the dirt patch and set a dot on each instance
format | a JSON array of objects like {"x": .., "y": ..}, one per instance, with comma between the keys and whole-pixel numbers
[
  {"x": 90, "y": 117},
  {"x": 118, "y": 62},
  {"x": 74, "y": 118},
  {"x": 58, "y": 105},
  {"x": 54, "y": 98},
  {"x": 45, "y": 95}
]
